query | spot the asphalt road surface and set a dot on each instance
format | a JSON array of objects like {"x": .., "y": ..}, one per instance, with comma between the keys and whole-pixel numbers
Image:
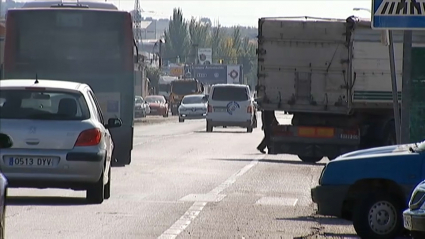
[{"x": 185, "y": 183}]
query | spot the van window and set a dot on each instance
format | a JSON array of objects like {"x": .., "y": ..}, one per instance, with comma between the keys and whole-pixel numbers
[{"x": 230, "y": 94}]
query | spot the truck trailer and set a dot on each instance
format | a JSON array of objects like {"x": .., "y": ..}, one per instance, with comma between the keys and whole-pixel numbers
[{"x": 333, "y": 75}]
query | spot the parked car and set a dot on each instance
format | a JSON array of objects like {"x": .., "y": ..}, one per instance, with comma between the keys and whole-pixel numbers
[
  {"x": 192, "y": 107},
  {"x": 371, "y": 188},
  {"x": 158, "y": 105},
  {"x": 141, "y": 108},
  {"x": 5, "y": 142},
  {"x": 414, "y": 216},
  {"x": 60, "y": 137}
]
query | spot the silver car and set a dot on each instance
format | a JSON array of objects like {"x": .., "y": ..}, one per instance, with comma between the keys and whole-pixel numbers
[
  {"x": 192, "y": 107},
  {"x": 60, "y": 138}
]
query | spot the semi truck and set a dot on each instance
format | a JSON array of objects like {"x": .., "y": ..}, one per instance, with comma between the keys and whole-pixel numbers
[{"x": 333, "y": 76}]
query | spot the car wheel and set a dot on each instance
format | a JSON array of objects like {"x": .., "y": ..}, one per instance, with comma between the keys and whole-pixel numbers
[
  {"x": 310, "y": 159},
  {"x": 249, "y": 129},
  {"x": 378, "y": 216},
  {"x": 3, "y": 218},
  {"x": 181, "y": 120},
  {"x": 107, "y": 191},
  {"x": 96, "y": 192},
  {"x": 209, "y": 127}
]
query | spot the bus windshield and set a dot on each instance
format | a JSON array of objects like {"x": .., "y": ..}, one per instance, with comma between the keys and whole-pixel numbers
[
  {"x": 68, "y": 41},
  {"x": 184, "y": 87}
]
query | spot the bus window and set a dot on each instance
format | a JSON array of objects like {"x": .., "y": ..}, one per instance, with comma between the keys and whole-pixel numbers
[{"x": 64, "y": 40}]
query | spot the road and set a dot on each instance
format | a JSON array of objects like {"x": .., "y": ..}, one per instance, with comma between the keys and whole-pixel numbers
[{"x": 185, "y": 183}]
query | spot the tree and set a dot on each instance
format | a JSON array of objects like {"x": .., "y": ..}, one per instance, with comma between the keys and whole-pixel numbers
[
  {"x": 176, "y": 38},
  {"x": 199, "y": 35},
  {"x": 215, "y": 42},
  {"x": 153, "y": 74}
]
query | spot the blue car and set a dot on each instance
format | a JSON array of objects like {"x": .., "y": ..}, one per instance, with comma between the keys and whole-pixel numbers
[
  {"x": 414, "y": 216},
  {"x": 371, "y": 188}
]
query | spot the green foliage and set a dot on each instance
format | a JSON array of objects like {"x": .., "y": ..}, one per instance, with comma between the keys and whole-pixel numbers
[
  {"x": 229, "y": 45},
  {"x": 153, "y": 75}
]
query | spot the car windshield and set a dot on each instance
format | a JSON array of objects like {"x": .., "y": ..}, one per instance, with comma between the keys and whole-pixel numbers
[
  {"x": 192, "y": 100},
  {"x": 42, "y": 105},
  {"x": 138, "y": 100},
  {"x": 155, "y": 99}
]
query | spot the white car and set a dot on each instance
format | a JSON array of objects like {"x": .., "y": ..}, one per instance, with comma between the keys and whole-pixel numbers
[
  {"x": 59, "y": 137},
  {"x": 192, "y": 107},
  {"x": 231, "y": 105}
]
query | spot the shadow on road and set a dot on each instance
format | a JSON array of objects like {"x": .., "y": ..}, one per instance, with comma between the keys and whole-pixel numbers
[
  {"x": 222, "y": 132},
  {"x": 273, "y": 161},
  {"x": 45, "y": 201},
  {"x": 320, "y": 220}
]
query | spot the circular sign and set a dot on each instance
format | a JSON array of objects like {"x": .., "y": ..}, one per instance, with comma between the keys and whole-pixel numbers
[
  {"x": 216, "y": 75},
  {"x": 233, "y": 74}
]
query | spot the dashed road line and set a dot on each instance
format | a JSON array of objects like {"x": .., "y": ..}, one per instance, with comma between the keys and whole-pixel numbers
[{"x": 214, "y": 195}]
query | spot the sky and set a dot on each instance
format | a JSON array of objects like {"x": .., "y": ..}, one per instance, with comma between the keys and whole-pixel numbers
[{"x": 246, "y": 13}]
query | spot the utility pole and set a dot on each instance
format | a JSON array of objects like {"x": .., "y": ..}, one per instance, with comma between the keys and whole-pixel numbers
[
  {"x": 406, "y": 86},
  {"x": 394, "y": 86},
  {"x": 160, "y": 54}
]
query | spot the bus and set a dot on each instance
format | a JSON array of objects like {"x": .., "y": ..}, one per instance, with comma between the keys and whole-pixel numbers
[
  {"x": 88, "y": 42},
  {"x": 180, "y": 88}
]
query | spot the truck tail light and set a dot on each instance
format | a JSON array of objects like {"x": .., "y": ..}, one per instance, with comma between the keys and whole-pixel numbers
[
  {"x": 89, "y": 137},
  {"x": 249, "y": 109},
  {"x": 209, "y": 108}
]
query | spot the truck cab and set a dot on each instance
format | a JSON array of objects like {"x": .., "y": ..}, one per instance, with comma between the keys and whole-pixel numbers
[{"x": 179, "y": 89}]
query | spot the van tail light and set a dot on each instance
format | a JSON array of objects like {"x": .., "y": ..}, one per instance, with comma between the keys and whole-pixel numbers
[
  {"x": 249, "y": 109},
  {"x": 89, "y": 137},
  {"x": 209, "y": 108}
]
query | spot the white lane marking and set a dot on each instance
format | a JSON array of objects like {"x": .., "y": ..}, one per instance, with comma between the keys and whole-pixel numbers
[
  {"x": 180, "y": 225},
  {"x": 184, "y": 221},
  {"x": 277, "y": 201},
  {"x": 203, "y": 198}
]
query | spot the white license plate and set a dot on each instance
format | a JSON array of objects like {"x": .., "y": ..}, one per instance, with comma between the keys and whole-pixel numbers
[
  {"x": 220, "y": 110},
  {"x": 31, "y": 161},
  {"x": 407, "y": 221}
]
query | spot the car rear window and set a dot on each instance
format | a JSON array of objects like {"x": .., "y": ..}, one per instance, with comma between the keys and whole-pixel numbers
[
  {"x": 42, "y": 105},
  {"x": 230, "y": 94}
]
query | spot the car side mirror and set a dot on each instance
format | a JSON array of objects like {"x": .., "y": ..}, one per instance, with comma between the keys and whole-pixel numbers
[
  {"x": 5, "y": 141},
  {"x": 113, "y": 123}
]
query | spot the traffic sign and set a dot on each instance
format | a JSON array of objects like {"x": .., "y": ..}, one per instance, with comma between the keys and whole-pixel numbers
[
  {"x": 398, "y": 14},
  {"x": 210, "y": 74}
]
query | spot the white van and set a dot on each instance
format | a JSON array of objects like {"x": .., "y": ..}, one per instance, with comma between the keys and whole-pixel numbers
[{"x": 231, "y": 105}]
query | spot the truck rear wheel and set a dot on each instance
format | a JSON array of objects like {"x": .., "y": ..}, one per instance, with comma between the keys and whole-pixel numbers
[{"x": 310, "y": 159}]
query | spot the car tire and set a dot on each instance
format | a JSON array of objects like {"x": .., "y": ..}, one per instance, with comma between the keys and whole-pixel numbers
[
  {"x": 96, "y": 192},
  {"x": 107, "y": 190},
  {"x": 3, "y": 218},
  {"x": 365, "y": 220},
  {"x": 310, "y": 159},
  {"x": 209, "y": 128},
  {"x": 181, "y": 120},
  {"x": 249, "y": 129}
]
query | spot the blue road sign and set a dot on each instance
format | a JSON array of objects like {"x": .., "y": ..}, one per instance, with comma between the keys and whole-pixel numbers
[
  {"x": 398, "y": 14},
  {"x": 210, "y": 74}
]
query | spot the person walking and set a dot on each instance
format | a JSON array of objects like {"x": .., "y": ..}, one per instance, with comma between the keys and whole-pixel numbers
[{"x": 268, "y": 119}]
